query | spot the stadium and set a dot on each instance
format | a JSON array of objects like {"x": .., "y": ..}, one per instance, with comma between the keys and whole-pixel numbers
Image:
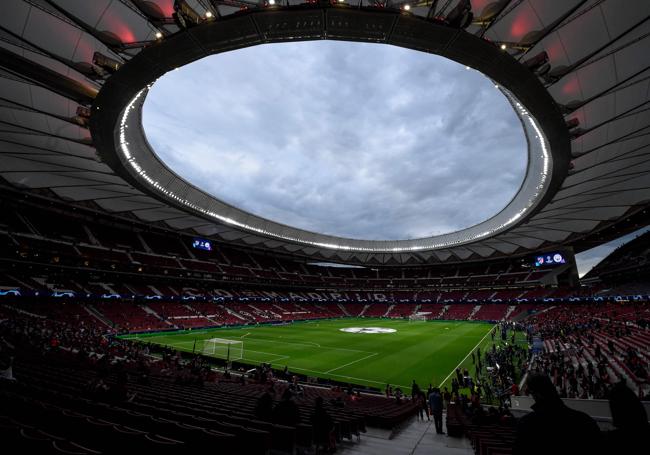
[{"x": 317, "y": 226}]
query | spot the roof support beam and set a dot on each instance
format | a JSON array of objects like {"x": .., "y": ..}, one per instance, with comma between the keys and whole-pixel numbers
[
  {"x": 118, "y": 49},
  {"x": 29, "y": 44},
  {"x": 38, "y": 111},
  {"x": 583, "y": 61},
  {"x": 551, "y": 28},
  {"x": 53, "y": 80}
]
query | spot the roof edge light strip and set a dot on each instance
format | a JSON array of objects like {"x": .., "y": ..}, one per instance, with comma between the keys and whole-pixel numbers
[{"x": 130, "y": 157}]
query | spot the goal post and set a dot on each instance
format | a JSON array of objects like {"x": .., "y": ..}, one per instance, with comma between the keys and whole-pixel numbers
[
  {"x": 223, "y": 348},
  {"x": 419, "y": 316}
]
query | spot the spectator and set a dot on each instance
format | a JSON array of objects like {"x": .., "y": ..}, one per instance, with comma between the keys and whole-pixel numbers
[
  {"x": 446, "y": 396},
  {"x": 295, "y": 387},
  {"x": 630, "y": 419},
  {"x": 552, "y": 427},
  {"x": 264, "y": 407},
  {"x": 514, "y": 389},
  {"x": 323, "y": 427},
  {"x": 423, "y": 405},
  {"x": 286, "y": 411},
  {"x": 436, "y": 405},
  {"x": 415, "y": 390},
  {"x": 398, "y": 395},
  {"x": 389, "y": 391}
]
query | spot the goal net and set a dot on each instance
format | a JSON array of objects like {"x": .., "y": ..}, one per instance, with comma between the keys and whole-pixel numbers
[
  {"x": 420, "y": 316},
  {"x": 223, "y": 348}
]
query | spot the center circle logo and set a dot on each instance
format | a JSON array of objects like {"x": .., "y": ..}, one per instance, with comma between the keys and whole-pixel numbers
[{"x": 367, "y": 330}]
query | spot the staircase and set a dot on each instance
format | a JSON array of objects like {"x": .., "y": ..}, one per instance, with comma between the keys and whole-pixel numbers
[
  {"x": 154, "y": 290},
  {"x": 262, "y": 313},
  {"x": 235, "y": 314},
  {"x": 90, "y": 309},
  {"x": 511, "y": 308},
  {"x": 22, "y": 283},
  {"x": 475, "y": 310},
  {"x": 343, "y": 309},
  {"x": 280, "y": 308},
  {"x": 149, "y": 310},
  {"x": 198, "y": 313},
  {"x": 365, "y": 308},
  {"x": 390, "y": 308}
]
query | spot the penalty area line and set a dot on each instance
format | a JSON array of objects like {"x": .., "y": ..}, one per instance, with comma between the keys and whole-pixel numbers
[
  {"x": 468, "y": 354},
  {"x": 348, "y": 377},
  {"x": 350, "y": 363}
]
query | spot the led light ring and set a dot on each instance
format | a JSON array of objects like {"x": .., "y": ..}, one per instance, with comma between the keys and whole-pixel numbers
[{"x": 145, "y": 169}]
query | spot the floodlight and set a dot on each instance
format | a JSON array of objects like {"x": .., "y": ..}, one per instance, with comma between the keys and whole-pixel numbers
[
  {"x": 106, "y": 63},
  {"x": 184, "y": 15}
]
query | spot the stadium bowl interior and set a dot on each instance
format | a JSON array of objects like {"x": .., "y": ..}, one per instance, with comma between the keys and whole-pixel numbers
[{"x": 137, "y": 310}]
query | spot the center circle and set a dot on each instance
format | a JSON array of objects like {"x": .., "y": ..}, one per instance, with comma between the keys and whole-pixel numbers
[
  {"x": 357, "y": 140},
  {"x": 371, "y": 330}
]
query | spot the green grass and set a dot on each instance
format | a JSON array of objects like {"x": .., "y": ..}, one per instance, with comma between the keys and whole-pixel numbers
[{"x": 425, "y": 351}]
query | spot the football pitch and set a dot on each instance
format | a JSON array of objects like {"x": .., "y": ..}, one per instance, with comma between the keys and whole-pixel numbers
[{"x": 369, "y": 352}]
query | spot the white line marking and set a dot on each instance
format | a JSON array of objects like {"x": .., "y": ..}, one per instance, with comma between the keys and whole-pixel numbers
[
  {"x": 350, "y": 363},
  {"x": 278, "y": 359},
  {"x": 468, "y": 354},
  {"x": 279, "y": 356},
  {"x": 266, "y": 340},
  {"x": 348, "y": 377},
  {"x": 306, "y": 343}
]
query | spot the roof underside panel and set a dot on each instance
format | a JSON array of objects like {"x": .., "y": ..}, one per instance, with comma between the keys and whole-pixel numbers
[{"x": 599, "y": 76}]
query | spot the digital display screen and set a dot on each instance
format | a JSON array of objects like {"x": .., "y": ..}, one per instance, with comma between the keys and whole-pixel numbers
[
  {"x": 202, "y": 244},
  {"x": 549, "y": 259}
]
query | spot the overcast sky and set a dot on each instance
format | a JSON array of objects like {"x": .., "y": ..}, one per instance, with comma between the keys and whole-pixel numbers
[{"x": 358, "y": 140}]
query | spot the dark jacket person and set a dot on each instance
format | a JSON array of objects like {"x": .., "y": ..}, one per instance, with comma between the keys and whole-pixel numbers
[
  {"x": 631, "y": 422},
  {"x": 553, "y": 428},
  {"x": 286, "y": 411},
  {"x": 264, "y": 407}
]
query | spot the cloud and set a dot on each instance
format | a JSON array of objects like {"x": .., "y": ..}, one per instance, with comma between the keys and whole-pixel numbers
[{"x": 359, "y": 140}]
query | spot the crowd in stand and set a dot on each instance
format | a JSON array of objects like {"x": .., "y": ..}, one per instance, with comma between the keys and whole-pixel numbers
[{"x": 587, "y": 349}]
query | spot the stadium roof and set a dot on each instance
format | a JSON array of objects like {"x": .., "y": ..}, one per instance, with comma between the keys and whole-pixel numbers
[{"x": 586, "y": 61}]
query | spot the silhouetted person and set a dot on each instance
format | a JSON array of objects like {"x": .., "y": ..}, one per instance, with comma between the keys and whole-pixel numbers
[
  {"x": 436, "y": 405},
  {"x": 631, "y": 422},
  {"x": 286, "y": 411},
  {"x": 423, "y": 405},
  {"x": 415, "y": 390},
  {"x": 323, "y": 426},
  {"x": 264, "y": 407},
  {"x": 552, "y": 427}
]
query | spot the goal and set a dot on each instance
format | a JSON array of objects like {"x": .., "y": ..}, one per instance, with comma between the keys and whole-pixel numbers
[
  {"x": 223, "y": 348},
  {"x": 420, "y": 316}
]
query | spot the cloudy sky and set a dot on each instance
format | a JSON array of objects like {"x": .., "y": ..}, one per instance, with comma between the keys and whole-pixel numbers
[{"x": 357, "y": 140}]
